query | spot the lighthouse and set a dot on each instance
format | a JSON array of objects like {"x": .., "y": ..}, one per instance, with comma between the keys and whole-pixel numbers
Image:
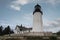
[{"x": 37, "y": 19}]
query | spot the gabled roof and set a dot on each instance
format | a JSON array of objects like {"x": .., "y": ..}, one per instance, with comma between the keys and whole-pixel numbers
[{"x": 23, "y": 28}]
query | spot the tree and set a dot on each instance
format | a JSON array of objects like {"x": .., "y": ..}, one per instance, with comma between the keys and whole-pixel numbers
[
  {"x": 53, "y": 38},
  {"x": 58, "y": 33},
  {"x": 11, "y": 31},
  {"x": 1, "y": 30},
  {"x": 7, "y": 30}
]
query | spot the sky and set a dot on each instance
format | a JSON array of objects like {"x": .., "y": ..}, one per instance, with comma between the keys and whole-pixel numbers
[{"x": 17, "y": 12}]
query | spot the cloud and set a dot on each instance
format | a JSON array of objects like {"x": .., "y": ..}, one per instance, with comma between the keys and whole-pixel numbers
[
  {"x": 55, "y": 23},
  {"x": 21, "y": 2},
  {"x": 15, "y": 7},
  {"x": 52, "y": 26},
  {"x": 18, "y": 3},
  {"x": 52, "y": 2}
]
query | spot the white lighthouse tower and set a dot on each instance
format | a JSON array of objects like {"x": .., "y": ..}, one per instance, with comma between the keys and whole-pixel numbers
[{"x": 37, "y": 19}]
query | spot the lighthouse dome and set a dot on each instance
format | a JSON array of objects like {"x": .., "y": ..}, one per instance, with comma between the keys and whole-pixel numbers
[{"x": 37, "y": 9}]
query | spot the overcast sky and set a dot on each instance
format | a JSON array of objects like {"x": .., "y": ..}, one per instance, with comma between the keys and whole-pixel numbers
[{"x": 17, "y": 12}]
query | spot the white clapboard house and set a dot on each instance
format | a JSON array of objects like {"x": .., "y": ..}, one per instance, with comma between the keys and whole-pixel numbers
[{"x": 22, "y": 29}]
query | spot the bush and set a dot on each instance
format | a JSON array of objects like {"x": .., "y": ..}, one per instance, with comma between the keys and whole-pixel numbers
[{"x": 53, "y": 38}]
